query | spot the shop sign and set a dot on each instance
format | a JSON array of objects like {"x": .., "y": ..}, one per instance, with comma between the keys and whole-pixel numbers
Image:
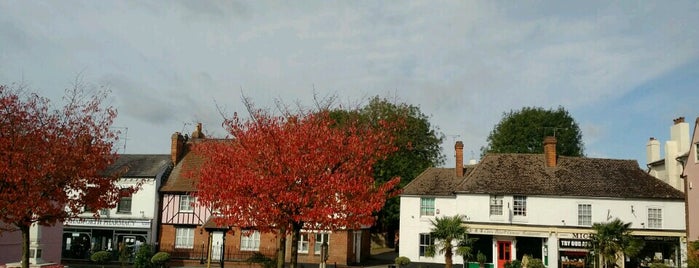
[
  {"x": 661, "y": 238},
  {"x": 119, "y": 223},
  {"x": 486, "y": 231},
  {"x": 574, "y": 243}
]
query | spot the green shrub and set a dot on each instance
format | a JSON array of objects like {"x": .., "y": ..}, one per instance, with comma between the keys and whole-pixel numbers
[
  {"x": 267, "y": 262},
  {"x": 513, "y": 264},
  {"x": 160, "y": 258},
  {"x": 143, "y": 256},
  {"x": 658, "y": 265},
  {"x": 481, "y": 258},
  {"x": 536, "y": 263},
  {"x": 402, "y": 261},
  {"x": 101, "y": 257}
]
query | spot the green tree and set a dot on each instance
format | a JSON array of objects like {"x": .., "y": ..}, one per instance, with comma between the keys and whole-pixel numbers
[
  {"x": 612, "y": 238},
  {"x": 418, "y": 148},
  {"x": 446, "y": 230},
  {"x": 523, "y": 131}
]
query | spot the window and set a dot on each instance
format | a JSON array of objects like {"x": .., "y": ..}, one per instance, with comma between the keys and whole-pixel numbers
[
  {"x": 320, "y": 238},
  {"x": 584, "y": 214},
  {"x": 250, "y": 241},
  {"x": 184, "y": 238},
  {"x": 425, "y": 242},
  {"x": 655, "y": 218},
  {"x": 426, "y": 206},
  {"x": 186, "y": 203},
  {"x": 520, "y": 205},
  {"x": 124, "y": 202},
  {"x": 495, "y": 205},
  {"x": 696, "y": 152},
  {"x": 303, "y": 243}
]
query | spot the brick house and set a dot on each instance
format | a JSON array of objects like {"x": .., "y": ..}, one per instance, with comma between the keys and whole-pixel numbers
[
  {"x": 543, "y": 205},
  {"x": 189, "y": 234}
]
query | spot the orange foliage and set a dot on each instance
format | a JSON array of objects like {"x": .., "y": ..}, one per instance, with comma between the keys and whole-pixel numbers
[{"x": 304, "y": 171}]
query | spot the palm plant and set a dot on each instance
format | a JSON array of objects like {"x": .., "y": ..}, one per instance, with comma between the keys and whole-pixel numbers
[
  {"x": 445, "y": 231},
  {"x": 612, "y": 238}
]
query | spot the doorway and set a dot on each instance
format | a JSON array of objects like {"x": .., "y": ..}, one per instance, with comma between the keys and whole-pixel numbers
[
  {"x": 504, "y": 253},
  {"x": 216, "y": 245}
]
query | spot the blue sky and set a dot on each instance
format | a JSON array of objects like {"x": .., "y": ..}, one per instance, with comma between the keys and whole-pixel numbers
[{"x": 624, "y": 70}]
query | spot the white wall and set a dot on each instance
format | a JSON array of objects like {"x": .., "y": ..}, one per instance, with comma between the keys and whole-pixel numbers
[{"x": 541, "y": 211}]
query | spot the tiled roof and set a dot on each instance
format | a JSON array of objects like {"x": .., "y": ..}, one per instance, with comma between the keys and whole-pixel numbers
[
  {"x": 435, "y": 181},
  {"x": 527, "y": 174},
  {"x": 139, "y": 165},
  {"x": 183, "y": 177}
]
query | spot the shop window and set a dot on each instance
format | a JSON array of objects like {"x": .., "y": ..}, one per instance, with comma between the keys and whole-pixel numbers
[
  {"x": 250, "y": 241},
  {"x": 320, "y": 238},
  {"x": 426, "y": 206},
  {"x": 584, "y": 214},
  {"x": 184, "y": 238},
  {"x": 495, "y": 205},
  {"x": 425, "y": 242},
  {"x": 655, "y": 218},
  {"x": 519, "y": 207},
  {"x": 303, "y": 243},
  {"x": 124, "y": 202},
  {"x": 187, "y": 203}
]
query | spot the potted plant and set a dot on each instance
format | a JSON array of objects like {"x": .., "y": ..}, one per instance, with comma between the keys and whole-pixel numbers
[
  {"x": 480, "y": 257},
  {"x": 402, "y": 261},
  {"x": 160, "y": 258},
  {"x": 100, "y": 257}
]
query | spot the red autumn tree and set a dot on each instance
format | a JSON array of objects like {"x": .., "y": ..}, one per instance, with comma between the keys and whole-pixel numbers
[
  {"x": 51, "y": 158},
  {"x": 288, "y": 173}
]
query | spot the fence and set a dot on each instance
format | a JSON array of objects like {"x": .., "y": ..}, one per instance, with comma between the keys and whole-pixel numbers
[{"x": 231, "y": 253}]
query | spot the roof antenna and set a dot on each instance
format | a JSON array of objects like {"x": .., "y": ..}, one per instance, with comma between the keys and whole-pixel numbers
[{"x": 124, "y": 136}]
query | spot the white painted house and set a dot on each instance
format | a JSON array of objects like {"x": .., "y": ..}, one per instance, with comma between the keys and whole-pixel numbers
[
  {"x": 543, "y": 205},
  {"x": 669, "y": 167},
  {"x": 134, "y": 220}
]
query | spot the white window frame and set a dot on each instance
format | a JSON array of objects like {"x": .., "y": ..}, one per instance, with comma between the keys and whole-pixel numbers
[
  {"x": 303, "y": 243},
  {"x": 519, "y": 206},
  {"x": 655, "y": 217},
  {"x": 424, "y": 241},
  {"x": 585, "y": 214},
  {"x": 187, "y": 203},
  {"x": 496, "y": 202},
  {"x": 250, "y": 240},
  {"x": 121, "y": 207},
  {"x": 319, "y": 239},
  {"x": 427, "y": 209},
  {"x": 184, "y": 237},
  {"x": 696, "y": 152}
]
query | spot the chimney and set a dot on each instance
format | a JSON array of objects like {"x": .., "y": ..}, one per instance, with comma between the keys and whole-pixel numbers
[
  {"x": 652, "y": 150},
  {"x": 459, "y": 148},
  {"x": 176, "y": 147},
  {"x": 678, "y": 120},
  {"x": 550, "y": 151},
  {"x": 197, "y": 134}
]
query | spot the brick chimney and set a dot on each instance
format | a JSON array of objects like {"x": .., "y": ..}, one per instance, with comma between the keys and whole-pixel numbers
[
  {"x": 459, "y": 148},
  {"x": 176, "y": 147},
  {"x": 198, "y": 134},
  {"x": 550, "y": 151}
]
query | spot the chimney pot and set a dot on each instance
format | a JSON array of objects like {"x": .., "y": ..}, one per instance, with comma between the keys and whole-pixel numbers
[
  {"x": 550, "y": 151},
  {"x": 678, "y": 120},
  {"x": 459, "y": 148}
]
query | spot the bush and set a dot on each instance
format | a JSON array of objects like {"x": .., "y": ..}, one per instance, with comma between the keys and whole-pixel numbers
[
  {"x": 267, "y": 262},
  {"x": 143, "y": 256},
  {"x": 160, "y": 258},
  {"x": 536, "y": 263},
  {"x": 402, "y": 261},
  {"x": 481, "y": 258},
  {"x": 658, "y": 265},
  {"x": 100, "y": 257},
  {"x": 513, "y": 264}
]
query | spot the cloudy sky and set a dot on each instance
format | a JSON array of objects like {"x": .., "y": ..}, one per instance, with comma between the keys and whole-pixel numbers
[{"x": 624, "y": 70}]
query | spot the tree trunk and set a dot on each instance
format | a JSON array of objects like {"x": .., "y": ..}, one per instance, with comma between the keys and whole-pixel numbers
[
  {"x": 295, "y": 232},
  {"x": 25, "y": 244},
  {"x": 281, "y": 254},
  {"x": 448, "y": 258}
]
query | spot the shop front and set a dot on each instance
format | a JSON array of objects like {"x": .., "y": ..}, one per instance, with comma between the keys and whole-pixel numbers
[
  {"x": 122, "y": 237},
  {"x": 574, "y": 253}
]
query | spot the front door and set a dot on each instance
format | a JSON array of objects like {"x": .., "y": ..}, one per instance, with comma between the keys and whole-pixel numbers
[
  {"x": 358, "y": 246},
  {"x": 504, "y": 253},
  {"x": 216, "y": 245}
]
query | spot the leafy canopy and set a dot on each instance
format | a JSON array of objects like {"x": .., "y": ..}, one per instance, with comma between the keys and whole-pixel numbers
[
  {"x": 523, "y": 131},
  {"x": 298, "y": 171},
  {"x": 55, "y": 156},
  {"x": 418, "y": 146}
]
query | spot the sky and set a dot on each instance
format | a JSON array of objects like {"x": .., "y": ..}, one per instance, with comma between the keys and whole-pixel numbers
[{"x": 623, "y": 69}]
